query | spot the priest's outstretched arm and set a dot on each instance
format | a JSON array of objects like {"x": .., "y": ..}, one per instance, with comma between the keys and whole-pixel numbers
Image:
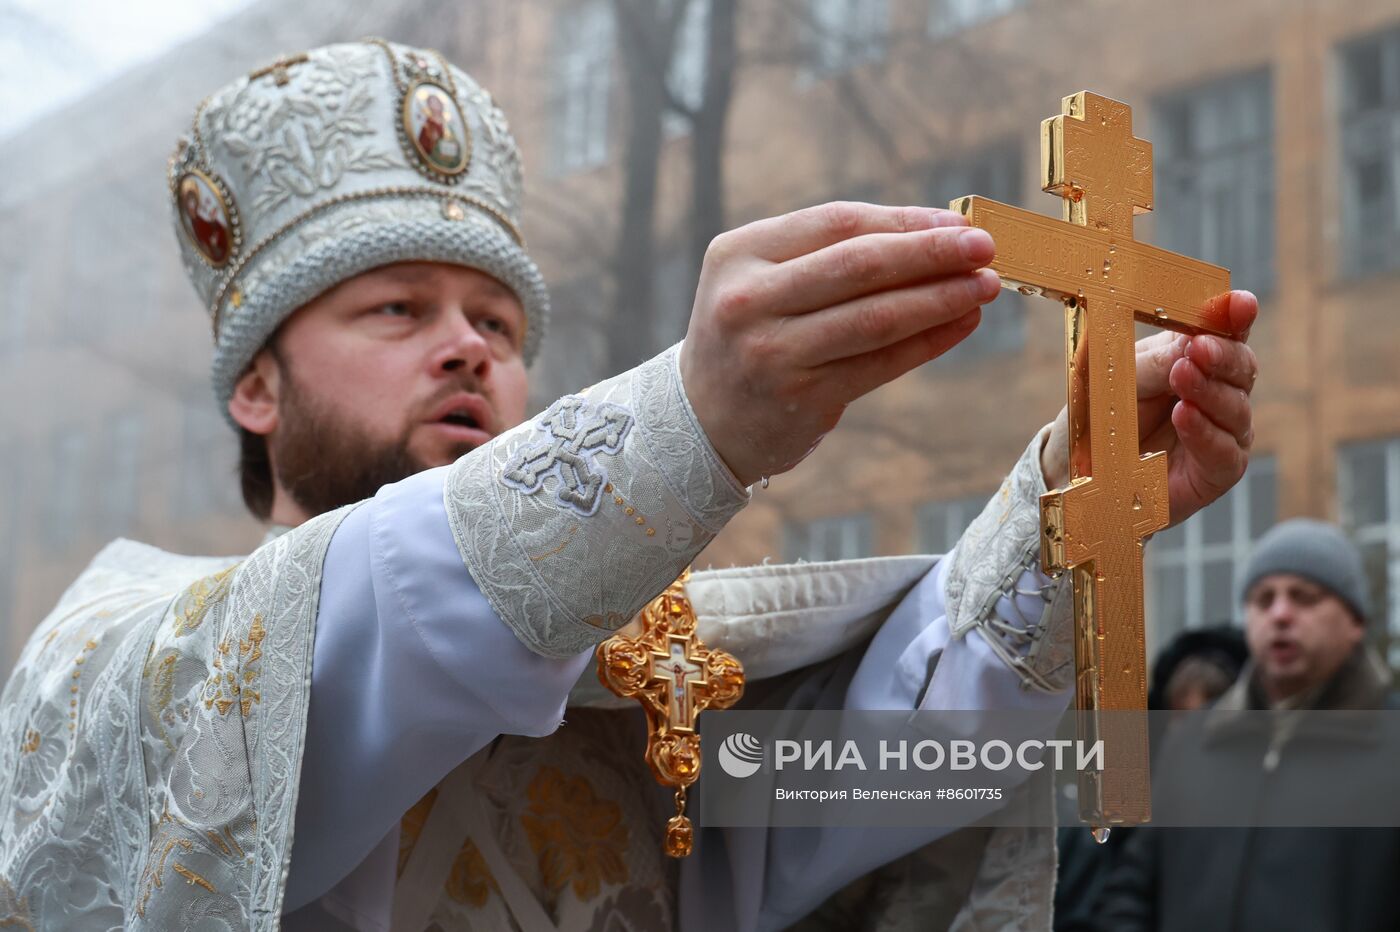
[
  {"x": 985, "y": 629},
  {"x": 563, "y": 528},
  {"x": 437, "y": 631},
  {"x": 462, "y": 604}
]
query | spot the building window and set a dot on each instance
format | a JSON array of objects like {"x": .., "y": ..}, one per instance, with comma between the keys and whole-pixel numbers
[
  {"x": 1368, "y": 486},
  {"x": 950, "y": 17},
  {"x": 1370, "y": 103},
  {"x": 845, "y": 33},
  {"x": 1213, "y": 147},
  {"x": 941, "y": 524},
  {"x": 584, "y": 45},
  {"x": 844, "y": 538},
  {"x": 685, "y": 78},
  {"x": 995, "y": 172},
  {"x": 1194, "y": 570}
]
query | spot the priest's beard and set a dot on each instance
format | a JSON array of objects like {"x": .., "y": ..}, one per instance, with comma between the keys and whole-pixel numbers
[{"x": 323, "y": 460}]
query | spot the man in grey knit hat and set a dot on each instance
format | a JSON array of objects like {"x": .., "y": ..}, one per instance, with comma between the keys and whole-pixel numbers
[
  {"x": 1306, "y": 609},
  {"x": 386, "y": 677},
  {"x": 1306, "y": 604}
]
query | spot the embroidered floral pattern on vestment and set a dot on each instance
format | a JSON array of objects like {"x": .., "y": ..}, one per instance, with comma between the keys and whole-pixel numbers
[{"x": 578, "y": 837}]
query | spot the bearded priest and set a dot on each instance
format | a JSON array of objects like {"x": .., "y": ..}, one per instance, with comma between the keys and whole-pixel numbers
[{"x": 385, "y": 680}]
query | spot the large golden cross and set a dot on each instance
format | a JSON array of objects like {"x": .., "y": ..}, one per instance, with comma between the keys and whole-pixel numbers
[
  {"x": 675, "y": 677},
  {"x": 1116, "y": 497}
]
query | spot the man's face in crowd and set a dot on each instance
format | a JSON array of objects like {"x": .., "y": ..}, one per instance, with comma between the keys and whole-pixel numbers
[
  {"x": 1299, "y": 633},
  {"x": 394, "y": 371}
]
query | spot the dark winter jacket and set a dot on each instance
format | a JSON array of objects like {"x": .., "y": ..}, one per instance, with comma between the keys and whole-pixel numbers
[{"x": 1262, "y": 879}]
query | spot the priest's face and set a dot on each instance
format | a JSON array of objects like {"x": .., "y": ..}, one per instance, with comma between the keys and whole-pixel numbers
[{"x": 394, "y": 371}]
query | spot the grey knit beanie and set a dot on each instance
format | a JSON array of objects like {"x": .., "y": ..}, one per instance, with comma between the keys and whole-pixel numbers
[
  {"x": 1314, "y": 550},
  {"x": 334, "y": 162}
]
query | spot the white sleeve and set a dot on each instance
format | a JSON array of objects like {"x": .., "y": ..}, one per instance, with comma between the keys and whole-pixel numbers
[
  {"x": 915, "y": 661},
  {"x": 412, "y": 674},
  {"x": 464, "y": 602},
  {"x": 808, "y": 865}
]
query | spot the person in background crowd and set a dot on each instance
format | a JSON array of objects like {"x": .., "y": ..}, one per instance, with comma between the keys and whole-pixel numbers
[
  {"x": 1190, "y": 673},
  {"x": 1196, "y": 668},
  {"x": 1306, "y": 607}
]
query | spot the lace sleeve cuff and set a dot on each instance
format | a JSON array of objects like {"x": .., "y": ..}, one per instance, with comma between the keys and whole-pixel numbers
[{"x": 996, "y": 586}]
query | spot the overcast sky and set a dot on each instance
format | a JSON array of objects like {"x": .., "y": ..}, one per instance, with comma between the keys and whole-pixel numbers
[{"x": 54, "y": 51}]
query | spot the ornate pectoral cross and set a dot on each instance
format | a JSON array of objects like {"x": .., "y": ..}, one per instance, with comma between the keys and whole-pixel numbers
[
  {"x": 1095, "y": 527},
  {"x": 675, "y": 677}
]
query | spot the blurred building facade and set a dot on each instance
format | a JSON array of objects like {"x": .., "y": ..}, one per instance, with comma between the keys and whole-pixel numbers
[{"x": 1276, "y": 127}]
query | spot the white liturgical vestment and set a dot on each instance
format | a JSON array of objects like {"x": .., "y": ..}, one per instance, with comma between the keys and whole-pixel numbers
[
  {"x": 368, "y": 724},
  {"x": 413, "y": 674}
]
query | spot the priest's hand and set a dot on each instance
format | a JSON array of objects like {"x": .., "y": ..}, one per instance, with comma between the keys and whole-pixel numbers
[
  {"x": 797, "y": 316},
  {"x": 1193, "y": 403}
]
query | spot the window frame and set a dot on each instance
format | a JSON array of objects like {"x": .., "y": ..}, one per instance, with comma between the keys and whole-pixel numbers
[
  {"x": 955, "y": 514},
  {"x": 1002, "y": 332},
  {"x": 1239, "y": 165},
  {"x": 1385, "y": 626},
  {"x": 1368, "y": 128},
  {"x": 1193, "y": 555},
  {"x": 801, "y": 534}
]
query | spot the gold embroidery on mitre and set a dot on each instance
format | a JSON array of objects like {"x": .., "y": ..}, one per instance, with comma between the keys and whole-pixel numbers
[
  {"x": 229, "y": 284},
  {"x": 280, "y": 69},
  {"x": 578, "y": 837}
]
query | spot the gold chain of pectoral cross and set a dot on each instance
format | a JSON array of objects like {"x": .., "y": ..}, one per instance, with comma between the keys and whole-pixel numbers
[
  {"x": 670, "y": 671},
  {"x": 1095, "y": 527}
]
